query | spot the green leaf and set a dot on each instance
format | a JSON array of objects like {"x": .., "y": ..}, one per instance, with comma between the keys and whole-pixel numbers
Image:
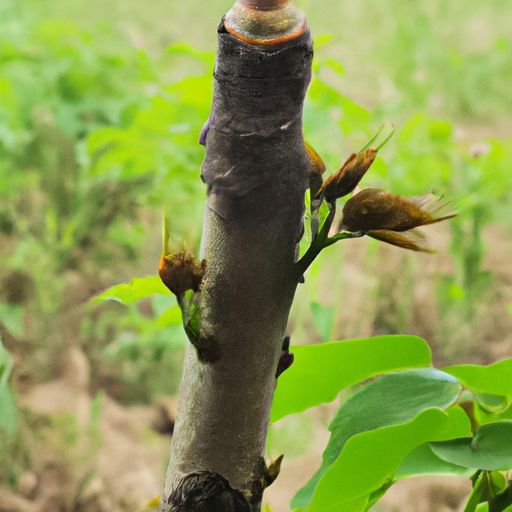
[
  {"x": 493, "y": 379},
  {"x": 483, "y": 416},
  {"x": 476, "y": 494},
  {"x": 492, "y": 403},
  {"x": 490, "y": 448},
  {"x": 393, "y": 400},
  {"x": 138, "y": 288},
  {"x": 499, "y": 482},
  {"x": 375, "y": 496},
  {"x": 323, "y": 318},
  {"x": 320, "y": 372},
  {"x": 423, "y": 461},
  {"x": 369, "y": 460},
  {"x": 305, "y": 241}
]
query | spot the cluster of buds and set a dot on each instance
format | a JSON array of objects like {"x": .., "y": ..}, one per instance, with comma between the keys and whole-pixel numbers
[
  {"x": 381, "y": 215},
  {"x": 181, "y": 271}
]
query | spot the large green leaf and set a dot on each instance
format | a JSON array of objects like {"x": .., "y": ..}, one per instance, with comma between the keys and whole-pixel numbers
[
  {"x": 390, "y": 400},
  {"x": 138, "y": 288},
  {"x": 423, "y": 461},
  {"x": 370, "y": 459},
  {"x": 321, "y": 371},
  {"x": 490, "y": 448},
  {"x": 494, "y": 379}
]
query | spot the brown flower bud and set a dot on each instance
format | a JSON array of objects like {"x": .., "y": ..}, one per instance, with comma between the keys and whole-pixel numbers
[
  {"x": 349, "y": 175},
  {"x": 375, "y": 209},
  {"x": 181, "y": 271},
  {"x": 316, "y": 169},
  {"x": 317, "y": 165}
]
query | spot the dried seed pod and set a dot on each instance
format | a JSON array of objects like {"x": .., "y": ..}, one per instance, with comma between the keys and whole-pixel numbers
[
  {"x": 181, "y": 271},
  {"x": 375, "y": 209}
]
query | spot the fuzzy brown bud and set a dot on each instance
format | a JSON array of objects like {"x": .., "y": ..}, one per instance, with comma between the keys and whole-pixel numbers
[
  {"x": 375, "y": 209},
  {"x": 316, "y": 169},
  {"x": 181, "y": 271},
  {"x": 349, "y": 175},
  {"x": 316, "y": 164}
]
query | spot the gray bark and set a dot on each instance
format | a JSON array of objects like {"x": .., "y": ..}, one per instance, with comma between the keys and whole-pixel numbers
[{"x": 256, "y": 172}]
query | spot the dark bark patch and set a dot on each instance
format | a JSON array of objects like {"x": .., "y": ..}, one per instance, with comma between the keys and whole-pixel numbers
[
  {"x": 205, "y": 491},
  {"x": 255, "y": 156},
  {"x": 286, "y": 359},
  {"x": 207, "y": 348}
]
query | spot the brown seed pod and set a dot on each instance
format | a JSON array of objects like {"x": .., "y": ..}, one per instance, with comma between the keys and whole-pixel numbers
[
  {"x": 375, "y": 209},
  {"x": 181, "y": 271}
]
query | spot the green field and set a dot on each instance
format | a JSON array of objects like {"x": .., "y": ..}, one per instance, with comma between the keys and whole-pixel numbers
[{"x": 101, "y": 105}]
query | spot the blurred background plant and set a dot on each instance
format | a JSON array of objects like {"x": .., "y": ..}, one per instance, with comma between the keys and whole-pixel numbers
[{"x": 100, "y": 111}]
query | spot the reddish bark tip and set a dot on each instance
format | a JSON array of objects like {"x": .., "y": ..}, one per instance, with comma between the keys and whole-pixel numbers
[
  {"x": 264, "y": 21},
  {"x": 264, "y": 5}
]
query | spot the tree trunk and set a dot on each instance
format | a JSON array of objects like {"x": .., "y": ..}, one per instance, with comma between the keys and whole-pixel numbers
[{"x": 256, "y": 170}]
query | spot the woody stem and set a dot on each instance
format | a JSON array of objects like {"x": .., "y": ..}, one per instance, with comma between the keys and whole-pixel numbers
[{"x": 318, "y": 243}]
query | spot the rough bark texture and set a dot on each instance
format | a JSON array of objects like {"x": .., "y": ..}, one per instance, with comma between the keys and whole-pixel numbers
[{"x": 256, "y": 172}]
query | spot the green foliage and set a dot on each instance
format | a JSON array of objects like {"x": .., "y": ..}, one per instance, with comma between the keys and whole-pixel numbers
[
  {"x": 490, "y": 448},
  {"x": 88, "y": 151},
  {"x": 138, "y": 288},
  {"x": 369, "y": 461},
  {"x": 493, "y": 379},
  {"x": 365, "y": 449},
  {"x": 397, "y": 426},
  {"x": 320, "y": 372},
  {"x": 107, "y": 133},
  {"x": 423, "y": 461},
  {"x": 8, "y": 411}
]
